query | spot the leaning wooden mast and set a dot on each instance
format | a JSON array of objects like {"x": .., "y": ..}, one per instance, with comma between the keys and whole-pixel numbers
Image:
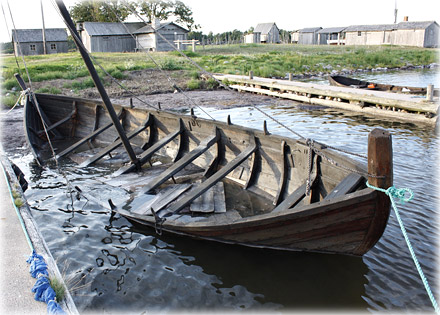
[
  {"x": 97, "y": 81},
  {"x": 44, "y": 29}
]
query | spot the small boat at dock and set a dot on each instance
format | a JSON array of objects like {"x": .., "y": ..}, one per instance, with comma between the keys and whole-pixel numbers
[{"x": 338, "y": 80}]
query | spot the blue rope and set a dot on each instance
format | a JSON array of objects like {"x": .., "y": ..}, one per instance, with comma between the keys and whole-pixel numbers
[
  {"x": 42, "y": 289},
  {"x": 400, "y": 193}
]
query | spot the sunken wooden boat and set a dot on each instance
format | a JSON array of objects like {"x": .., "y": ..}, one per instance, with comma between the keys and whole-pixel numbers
[
  {"x": 219, "y": 181},
  {"x": 338, "y": 80}
]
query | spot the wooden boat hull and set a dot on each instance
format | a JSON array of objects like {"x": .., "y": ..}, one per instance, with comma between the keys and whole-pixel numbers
[
  {"x": 337, "y": 80},
  {"x": 343, "y": 227},
  {"x": 273, "y": 168}
]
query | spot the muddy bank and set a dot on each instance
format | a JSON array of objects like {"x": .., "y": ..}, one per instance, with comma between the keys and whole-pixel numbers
[{"x": 186, "y": 100}]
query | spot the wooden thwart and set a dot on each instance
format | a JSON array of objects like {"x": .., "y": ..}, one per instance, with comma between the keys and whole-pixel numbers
[
  {"x": 115, "y": 144},
  {"x": 347, "y": 185},
  {"x": 182, "y": 163},
  {"x": 146, "y": 155},
  {"x": 87, "y": 138},
  {"x": 58, "y": 123},
  {"x": 292, "y": 199},
  {"x": 211, "y": 181}
]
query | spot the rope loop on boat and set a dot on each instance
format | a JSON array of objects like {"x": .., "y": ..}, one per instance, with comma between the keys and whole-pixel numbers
[
  {"x": 159, "y": 221},
  {"x": 400, "y": 193},
  {"x": 309, "y": 143},
  {"x": 19, "y": 101}
]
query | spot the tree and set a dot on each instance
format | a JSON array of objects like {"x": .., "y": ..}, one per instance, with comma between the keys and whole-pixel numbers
[
  {"x": 165, "y": 9},
  {"x": 99, "y": 11}
]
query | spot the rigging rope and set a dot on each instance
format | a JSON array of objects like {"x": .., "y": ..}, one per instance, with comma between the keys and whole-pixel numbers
[
  {"x": 79, "y": 41},
  {"x": 230, "y": 89},
  {"x": 393, "y": 192},
  {"x": 9, "y": 35},
  {"x": 30, "y": 95},
  {"x": 173, "y": 83}
]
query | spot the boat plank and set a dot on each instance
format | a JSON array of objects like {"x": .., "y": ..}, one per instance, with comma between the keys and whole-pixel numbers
[
  {"x": 204, "y": 203},
  {"x": 293, "y": 229}
]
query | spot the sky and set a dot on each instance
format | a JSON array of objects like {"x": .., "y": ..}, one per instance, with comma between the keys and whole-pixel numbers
[{"x": 227, "y": 15}]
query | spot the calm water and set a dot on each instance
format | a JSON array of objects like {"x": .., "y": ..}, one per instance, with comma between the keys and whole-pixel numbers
[{"x": 128, "y": 270}]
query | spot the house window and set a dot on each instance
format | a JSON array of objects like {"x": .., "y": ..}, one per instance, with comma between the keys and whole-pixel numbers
[
  {"x": 33, "y": 47},
  {"x": 53, "y": 46},
  {"x": 359, "y": 33}
]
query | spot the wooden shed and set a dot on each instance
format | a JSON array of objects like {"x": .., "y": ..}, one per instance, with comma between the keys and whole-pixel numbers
[
  {"x": 308, "y": 36},
  {"x": 378, "y": 34},
  {"x": 148, "y": 37},
  {"x": 269, "y": 33},
  {"x": 419, "y": 34},
  {"x": 31, "y": 41},
  {"x": 294, "y": 37},
  {"x": 252, "y": 38},
  {"x": 108, "y": 36},
  {"x": 332, "y": 36}
]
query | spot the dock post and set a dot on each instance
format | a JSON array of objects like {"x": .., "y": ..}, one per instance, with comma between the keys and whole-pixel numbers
[
  {"x": 380, "y": 158},
  {"x": 290, "y": 76},
  {"x": 380, "y": 163},
  {"x": 430, "y": 92},
  {"x": 251, "y": 74}
]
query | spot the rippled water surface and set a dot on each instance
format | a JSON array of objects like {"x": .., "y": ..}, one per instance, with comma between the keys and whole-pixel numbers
[{"x": 111, "y": 266}]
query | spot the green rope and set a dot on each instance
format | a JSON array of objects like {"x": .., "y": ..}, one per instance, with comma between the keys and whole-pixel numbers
[{"x": 400, "y": 193}]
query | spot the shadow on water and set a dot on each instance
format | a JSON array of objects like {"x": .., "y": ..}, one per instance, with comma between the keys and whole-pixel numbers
[
  {"x": 291, "y": 279},
  {"x": 179, "y": 273}
]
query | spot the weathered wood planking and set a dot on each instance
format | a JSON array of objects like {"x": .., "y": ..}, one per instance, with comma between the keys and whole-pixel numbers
[{"x": 414, "y": 109}]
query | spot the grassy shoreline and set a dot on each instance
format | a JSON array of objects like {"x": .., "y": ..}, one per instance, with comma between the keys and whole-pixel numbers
[{"x": 263, "y": 60}]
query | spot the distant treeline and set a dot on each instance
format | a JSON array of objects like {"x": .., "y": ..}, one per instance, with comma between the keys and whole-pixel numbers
[
  {"x": 6, "y": 48},
  {"x": 231, "y": 37}
]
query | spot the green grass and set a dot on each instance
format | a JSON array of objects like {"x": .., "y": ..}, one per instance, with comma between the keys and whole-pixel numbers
[
  {"x": 264, "y": 60},
  {"x": 49, "y": 90},
  {"x": 58, "y": 287}
]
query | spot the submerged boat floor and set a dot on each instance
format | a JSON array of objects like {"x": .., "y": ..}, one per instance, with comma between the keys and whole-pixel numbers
[{"x": 226, "y": 200}]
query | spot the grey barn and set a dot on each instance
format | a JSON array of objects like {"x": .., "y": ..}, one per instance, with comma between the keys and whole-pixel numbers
[
  {"x": 308, "y": 36},
  {"x": 264, "y": 33},
  {"x": 31, "y": 41},
  {"x": 331, "y": 36},
  {"x": 158, "y": 36},
  {"x": 108, "y": 36}
]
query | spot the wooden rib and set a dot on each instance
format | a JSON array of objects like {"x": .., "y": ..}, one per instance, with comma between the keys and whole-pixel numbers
[
  {"x": 115, "y": 144},
  {"x": 253, "y": 171},
  {"x": 179, "y": 165},
  {"x": 211, "y": 181},
  {"x": 146, "y": 155},
  {"x": 283, "y": 176},
  {"x": 87, "y": 138},
  {"x": 347, "y": 185}
]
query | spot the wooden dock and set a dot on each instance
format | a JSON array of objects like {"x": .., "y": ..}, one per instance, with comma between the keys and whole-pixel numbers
[{"x": 406, "y": 107}]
